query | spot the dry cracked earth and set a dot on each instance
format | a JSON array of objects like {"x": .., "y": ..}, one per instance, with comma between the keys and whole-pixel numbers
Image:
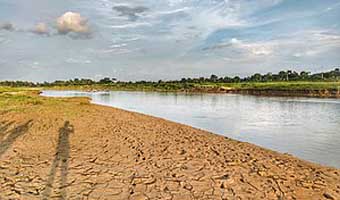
[{"x": 74, "y": 150}]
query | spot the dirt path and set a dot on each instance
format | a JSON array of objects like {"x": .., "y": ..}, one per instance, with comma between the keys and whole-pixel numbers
[{"x": 74, "y": 150}]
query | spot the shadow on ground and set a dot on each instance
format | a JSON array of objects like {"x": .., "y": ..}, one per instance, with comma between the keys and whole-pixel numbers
[
  {"x": 4, "y": 126},
  {"x": 61, "y": 161},
  {"x": 12, "y": 135}
]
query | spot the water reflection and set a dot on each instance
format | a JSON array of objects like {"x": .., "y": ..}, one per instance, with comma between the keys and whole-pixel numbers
[{"x": 305, "y": 127}]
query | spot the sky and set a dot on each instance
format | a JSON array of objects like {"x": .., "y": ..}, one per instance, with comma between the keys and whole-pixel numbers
[{"x": 45, "y": 40}]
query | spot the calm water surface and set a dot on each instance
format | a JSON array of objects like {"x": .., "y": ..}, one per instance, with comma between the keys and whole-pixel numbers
[{"x": 305, "y": 127}]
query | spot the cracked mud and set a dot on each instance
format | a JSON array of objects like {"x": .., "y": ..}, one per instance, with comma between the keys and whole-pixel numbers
[{"x": 74, "y": 150}]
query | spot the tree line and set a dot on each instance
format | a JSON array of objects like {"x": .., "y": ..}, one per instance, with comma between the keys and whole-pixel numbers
[{"x": 289, "y": 75}]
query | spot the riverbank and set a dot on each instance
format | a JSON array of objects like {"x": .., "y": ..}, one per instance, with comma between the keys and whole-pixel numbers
[
  {"x": 54, "y": 148},
  {"x": 285, "y": 89}
]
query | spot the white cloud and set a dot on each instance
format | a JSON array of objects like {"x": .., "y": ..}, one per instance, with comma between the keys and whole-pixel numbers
[
  {"x": 307, "y": 44},
  {"x": 78, "y": 61},
  {"x": 311, "y": 43},
  {"x": 171, "y": 12},
  {"x": 41, "y": 28},
  {"x": 118, "y": 45},
  {"x": 332, "y": 7},
  {"x": 131, "y": 25},
  {"x": 173, "y": 33},
  {"x": 247, "y": 48},
  {"x": 35, "y": 65},
  {"x": 235, "y": 41},
  {"x": 256, "y": 48},
  {"x": 72, "y": 22}
]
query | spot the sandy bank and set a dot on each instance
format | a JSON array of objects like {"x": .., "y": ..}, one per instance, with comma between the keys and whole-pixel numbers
[{"x": 70, "y": 149}]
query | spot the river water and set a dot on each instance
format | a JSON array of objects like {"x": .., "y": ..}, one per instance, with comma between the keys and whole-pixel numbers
[{"x": 308, "y": 128}]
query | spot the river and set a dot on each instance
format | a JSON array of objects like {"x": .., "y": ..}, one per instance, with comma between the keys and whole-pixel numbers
[{"x": 308, "y": 128}]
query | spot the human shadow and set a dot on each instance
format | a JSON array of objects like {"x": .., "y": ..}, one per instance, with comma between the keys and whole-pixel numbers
[
  {"x": 61, "y": 160},
  {"x": 4, "y": 126},
  {"x": 12, "y": 135}
]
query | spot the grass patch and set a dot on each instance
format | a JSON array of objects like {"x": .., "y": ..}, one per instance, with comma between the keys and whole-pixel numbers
[
  {"x": 17, "y": 102},
  {"x": 28, "y": 100},
  {"x": 17, "y": 89},
  {"x": 296, "y": 86},
  {"x": 177, "y": 87}
]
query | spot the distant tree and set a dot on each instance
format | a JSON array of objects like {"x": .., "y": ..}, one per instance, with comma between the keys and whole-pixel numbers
[
  {"x": 283, "y": 76},
  {"x": 187, "y": 83},
  {"x": 183, "y": 80},
  {"x": 213, "y": 78},
  {"x": 304, "y": 75},
  {"x": 293, "y": 75},
  {"x": 268, "y": 77},
  {"x": 256, "y": 77},
  {"x": 227, "y": 79},
  {"x": 236, "y": 79},
  {"x": 105, "y": 80},
  {"x": 337, "y": 74}
]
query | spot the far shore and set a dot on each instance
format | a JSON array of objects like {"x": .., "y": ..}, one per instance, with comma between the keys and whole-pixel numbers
[
  {"x": 67, "y": 148},
  {"x": 289, "y": 83},
  {"x": 302, "y": 90}
]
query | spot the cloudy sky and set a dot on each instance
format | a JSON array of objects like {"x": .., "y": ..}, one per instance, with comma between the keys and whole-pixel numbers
[{"x": 168, "y": 39}]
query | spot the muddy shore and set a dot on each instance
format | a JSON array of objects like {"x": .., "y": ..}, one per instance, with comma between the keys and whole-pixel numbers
[
  {"x": 273, "y": 92},
  {"x": 71, "y": 149},
  {"x": 290, "y": 93}
]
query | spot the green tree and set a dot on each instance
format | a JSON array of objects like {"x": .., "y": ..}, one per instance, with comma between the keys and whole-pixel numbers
[
  {"x": 213, "y": 78},
  {"x": 283, "y": 75},
  {"x": 105, "y": 80}
]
